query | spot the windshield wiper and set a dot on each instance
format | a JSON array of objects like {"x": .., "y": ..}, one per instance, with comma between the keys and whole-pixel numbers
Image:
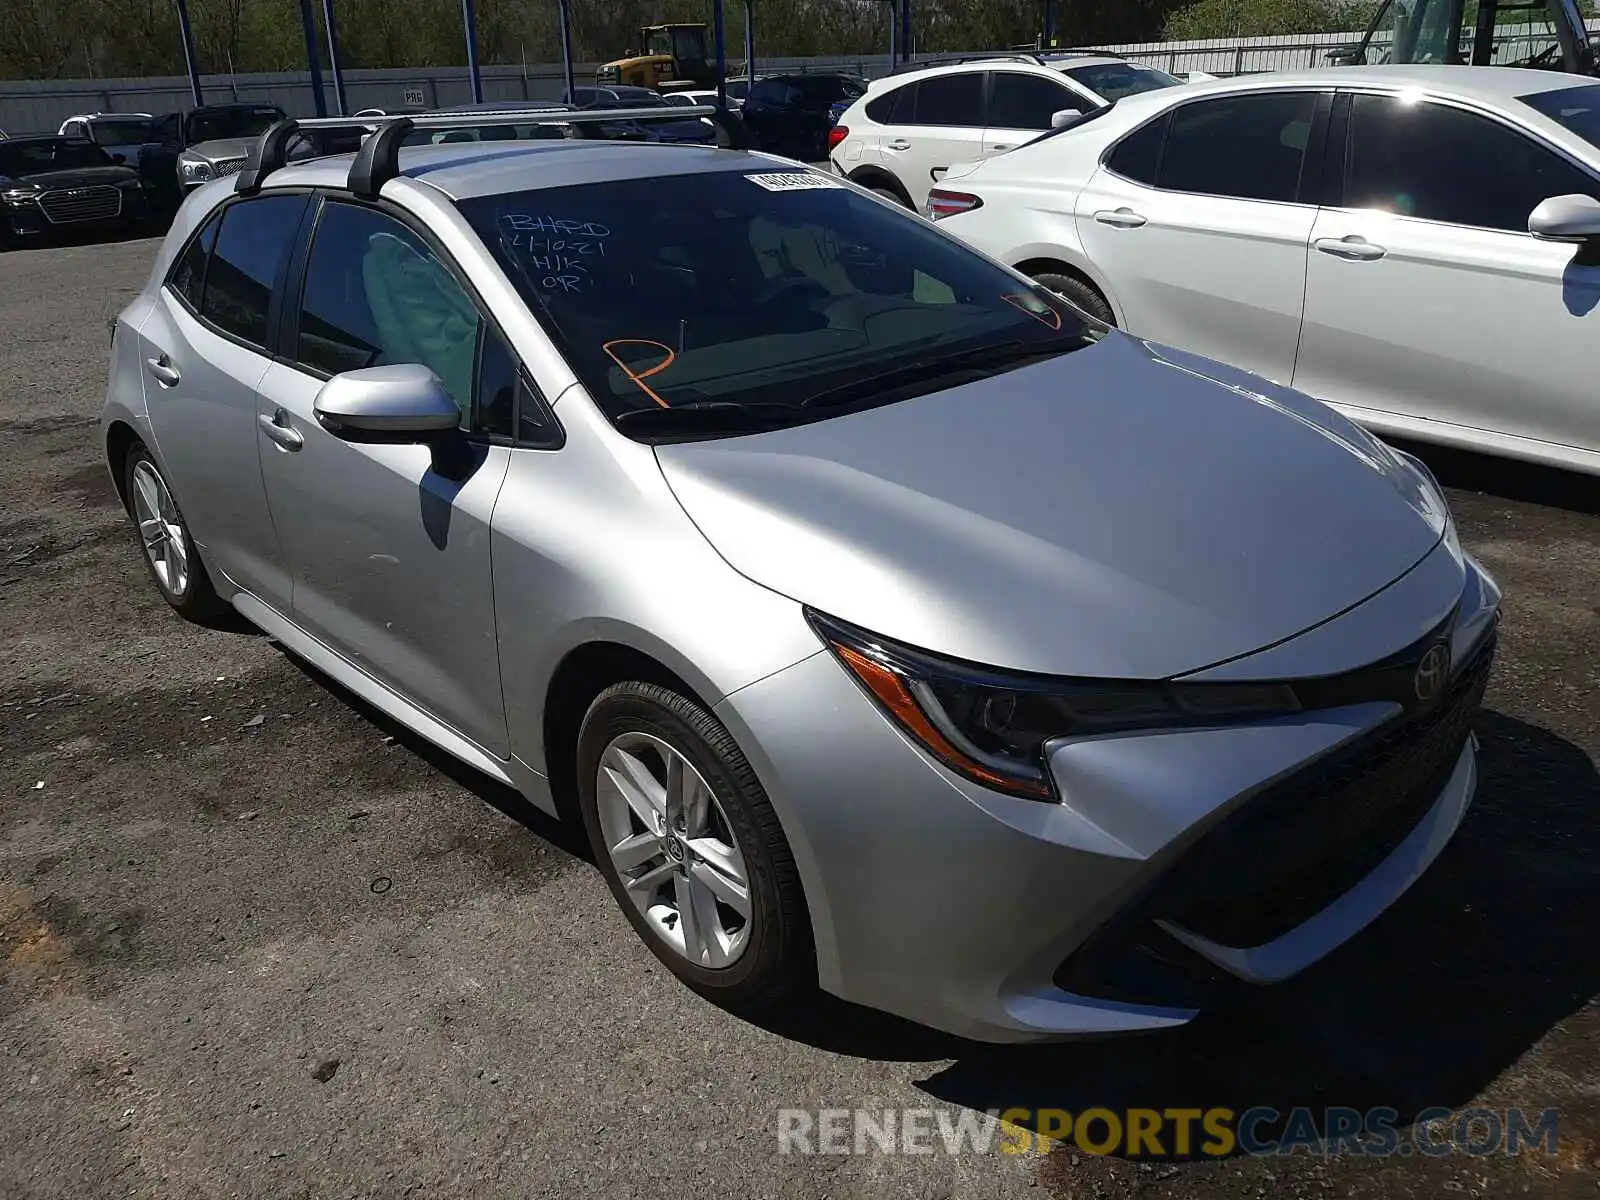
[
  {"x": 976, "y": 362},
  {"x": 710, "y": 416}
]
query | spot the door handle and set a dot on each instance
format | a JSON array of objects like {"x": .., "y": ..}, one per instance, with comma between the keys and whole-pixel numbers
[
  {"x": 1353, "y": 248},
  {"x": 899, "y": 144},
  {"x": 1121, "y": 218},
  {"x": 165, "y": 373},
  {"x": 277, "y": 428}
]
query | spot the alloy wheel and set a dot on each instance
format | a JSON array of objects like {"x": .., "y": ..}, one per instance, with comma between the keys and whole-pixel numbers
[
  {"x": 673, "y": 849},
  {"x": 161, "y": 529}
]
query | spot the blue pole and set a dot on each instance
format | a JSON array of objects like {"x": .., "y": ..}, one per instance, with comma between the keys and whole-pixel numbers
[
  {"x": 309, "y": 24},
  {"x": 718, "y": 19},
  {"x": 187, "y": 34},
  {"x": 566, "y": 49},
  {"x": 750, "y": 43},
  {"x": 1049, "y": 24},
  {"x": 905, "y": 30},
  {"x": 469, "y": 18},
  {"x": 333, "y": 57},
  {"x": 894, "y": 34}
]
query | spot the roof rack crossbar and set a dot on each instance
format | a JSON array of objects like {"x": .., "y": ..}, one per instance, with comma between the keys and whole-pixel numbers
[
  {"x": 995, "y": 56},
  {"x": 378, "y": 159}
]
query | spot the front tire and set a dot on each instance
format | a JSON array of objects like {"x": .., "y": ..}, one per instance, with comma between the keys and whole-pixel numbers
[
  {"x": 691, "y": 848},
  {"x": 169, "y": 550}
]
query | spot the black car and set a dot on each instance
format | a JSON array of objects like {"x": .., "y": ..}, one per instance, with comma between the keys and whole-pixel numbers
[
  {"x": 57, "y": 185},
  {"x": 130, "y": 139},
  {"x": 791, "y": 114}
]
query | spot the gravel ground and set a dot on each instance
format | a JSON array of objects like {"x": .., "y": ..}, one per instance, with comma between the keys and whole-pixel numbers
[{"x": 256, "y": 941}]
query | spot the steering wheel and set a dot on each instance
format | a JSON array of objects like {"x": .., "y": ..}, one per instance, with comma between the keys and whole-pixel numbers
[{"x": 790, "y": 287}]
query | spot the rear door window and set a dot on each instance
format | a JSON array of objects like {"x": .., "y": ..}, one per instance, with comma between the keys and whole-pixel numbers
[
  {"x": 950, "y": 100},
  {"x": 1248, "y": 147},
  {"x": 251, "y": 249}
]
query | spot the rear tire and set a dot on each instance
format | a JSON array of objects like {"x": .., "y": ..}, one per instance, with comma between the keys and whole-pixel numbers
[
  {"x": 1080, "y": 294},
  {"x": 169, "y": 551},
  {"x": 767, "y": 957}
]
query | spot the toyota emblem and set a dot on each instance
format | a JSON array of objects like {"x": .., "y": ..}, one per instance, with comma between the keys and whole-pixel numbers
[{"x": 1432, "y": 672}]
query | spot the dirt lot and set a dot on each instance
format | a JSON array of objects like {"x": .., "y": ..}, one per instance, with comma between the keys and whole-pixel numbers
[{"x": 255, "y": 941}]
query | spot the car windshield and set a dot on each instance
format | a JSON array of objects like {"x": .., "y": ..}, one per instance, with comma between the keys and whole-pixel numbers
[
  {"x": 1578, "y": 108},
  {"x": 231, "y": 123},
  {"x": 721, "y": 302},
  {"x": 119, "y": 132},
  {"x": 1113, "y": 81},
  {"x": 50, "y": 154}
]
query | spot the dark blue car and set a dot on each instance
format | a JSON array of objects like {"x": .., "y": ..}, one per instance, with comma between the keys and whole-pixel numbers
[{"x": 792, "y": 114}]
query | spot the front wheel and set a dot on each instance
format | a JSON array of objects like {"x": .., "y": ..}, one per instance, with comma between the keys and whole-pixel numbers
[{"x": 691, "y": 848}]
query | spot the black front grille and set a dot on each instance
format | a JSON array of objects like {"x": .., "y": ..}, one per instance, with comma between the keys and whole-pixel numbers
[
  {"x": 1303, "y": 842},
  {"x": 228, "y": 166},
  {"x": 68, "y": 206},
  {"x": 1294, "y": 848}
]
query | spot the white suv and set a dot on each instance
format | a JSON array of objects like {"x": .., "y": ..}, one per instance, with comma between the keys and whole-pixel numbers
[{"x": 912, "y": 126}]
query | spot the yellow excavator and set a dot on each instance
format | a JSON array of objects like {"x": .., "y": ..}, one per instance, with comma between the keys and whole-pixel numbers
[{"x": 668, "y": 58}]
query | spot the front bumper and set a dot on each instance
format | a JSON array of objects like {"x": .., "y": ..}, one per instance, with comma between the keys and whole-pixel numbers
[{"x": 1178, "y": 865}]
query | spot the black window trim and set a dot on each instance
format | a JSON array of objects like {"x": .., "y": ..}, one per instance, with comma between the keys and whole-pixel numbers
[
  {"x": 293, "y": 291},
  {"x": 274, "y": 303},
  {"x": 1319, "y": 116},
  {"x": 1349, "y": 91}
]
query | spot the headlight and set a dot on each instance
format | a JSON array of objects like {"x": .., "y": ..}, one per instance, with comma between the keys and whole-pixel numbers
[
  {"x": 193, "y": 169},
  {"x": 994, "y": 727},
  {"x": 18, "y": 196}
]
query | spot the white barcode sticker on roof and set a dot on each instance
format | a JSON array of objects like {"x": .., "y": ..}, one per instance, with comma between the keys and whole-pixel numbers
[{"x": 793, "y": 181}]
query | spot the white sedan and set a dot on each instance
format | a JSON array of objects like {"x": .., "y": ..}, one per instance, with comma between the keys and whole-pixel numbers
[{"x": 1418, "y": 246}]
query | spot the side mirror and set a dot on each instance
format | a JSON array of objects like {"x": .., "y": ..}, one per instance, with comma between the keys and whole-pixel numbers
[
  {"x": 1346, "y": 56},
  {"x": 1573, "y": 218},
  {"x": 1065, "y": 117},
  {"x": 400, "y": 400}
]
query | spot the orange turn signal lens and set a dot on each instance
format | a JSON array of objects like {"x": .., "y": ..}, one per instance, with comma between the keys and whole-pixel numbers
[{"x": 889, "y": 686}]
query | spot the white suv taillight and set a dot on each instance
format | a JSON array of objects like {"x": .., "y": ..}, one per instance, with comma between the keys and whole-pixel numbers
[
  {"x": 836, "y": 135},
  {"x": 944, "y": 203}
]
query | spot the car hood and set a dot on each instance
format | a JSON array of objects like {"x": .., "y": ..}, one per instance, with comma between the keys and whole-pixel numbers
[
  {"x": 222, "y": 148},
  {"x": 76, "y": 177},
  {"x": 1124, "y": 510}
]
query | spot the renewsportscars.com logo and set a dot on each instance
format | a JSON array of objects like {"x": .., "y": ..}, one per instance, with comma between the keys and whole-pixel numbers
[{"x": 1158, "y": 1133}]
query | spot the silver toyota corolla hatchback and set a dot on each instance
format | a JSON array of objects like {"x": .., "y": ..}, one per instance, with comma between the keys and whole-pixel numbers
[{"x": 887, "y": 623}]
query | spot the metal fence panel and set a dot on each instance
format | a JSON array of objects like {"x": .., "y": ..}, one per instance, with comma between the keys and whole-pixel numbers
[{"x": 39, "y": 106}]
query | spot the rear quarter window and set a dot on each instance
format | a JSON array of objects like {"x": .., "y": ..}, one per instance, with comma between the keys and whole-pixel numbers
[{"x": 894, "y": 107}]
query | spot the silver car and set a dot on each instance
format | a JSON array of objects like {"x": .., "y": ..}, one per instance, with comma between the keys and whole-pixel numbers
[{"x": 887, "y": 623}]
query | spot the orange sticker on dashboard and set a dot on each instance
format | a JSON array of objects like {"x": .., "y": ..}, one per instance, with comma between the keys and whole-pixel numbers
[
  {"x": 639, "y": 377},
  {"x": 1021, "y": 300}
]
